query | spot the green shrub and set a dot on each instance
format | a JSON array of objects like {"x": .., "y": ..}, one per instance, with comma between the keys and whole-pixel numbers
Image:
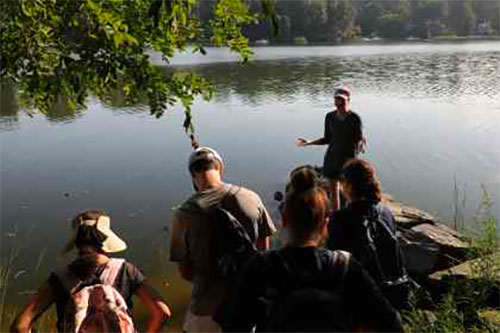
[
  {"x": 301, "y": 40},
  {"x": 446, "y": 36}
]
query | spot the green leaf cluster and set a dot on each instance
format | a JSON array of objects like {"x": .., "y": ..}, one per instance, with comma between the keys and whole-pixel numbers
[{"x": 61, "y": 51}]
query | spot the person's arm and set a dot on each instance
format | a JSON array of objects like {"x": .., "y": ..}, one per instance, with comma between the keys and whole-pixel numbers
[
  {"x": 36, "y": 306},
  {"x": 266, "y": 229},
  {"x": 178, "y": 249},
  {"x": 158, "y": 309},
  {"x": 301, "y": 142},
  {"x": 360, "y": 137}
]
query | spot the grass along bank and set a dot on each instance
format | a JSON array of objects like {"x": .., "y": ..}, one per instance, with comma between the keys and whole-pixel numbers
[{"x": 464, "y": 298}]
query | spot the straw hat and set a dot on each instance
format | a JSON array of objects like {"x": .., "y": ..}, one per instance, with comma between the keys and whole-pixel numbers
[{"x": 111, "y": 242}]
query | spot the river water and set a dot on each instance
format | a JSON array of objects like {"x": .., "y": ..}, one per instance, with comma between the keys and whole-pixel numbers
[{"x": 431, "y": 113}]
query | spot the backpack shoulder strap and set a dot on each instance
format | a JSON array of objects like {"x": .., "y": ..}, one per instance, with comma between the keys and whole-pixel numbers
[
  {"x": 341, "y": 260},
  {"x": 222, "y": 214},
  {"x": 111, "y": 270},
  {"x": 372, "y": 218}
]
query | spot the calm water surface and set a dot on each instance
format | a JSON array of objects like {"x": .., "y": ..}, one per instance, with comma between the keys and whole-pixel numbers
[{"x": 431, "y": 113}]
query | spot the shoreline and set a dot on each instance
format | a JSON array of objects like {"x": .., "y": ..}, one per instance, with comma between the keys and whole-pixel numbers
[{"x": 383, "y": 41}]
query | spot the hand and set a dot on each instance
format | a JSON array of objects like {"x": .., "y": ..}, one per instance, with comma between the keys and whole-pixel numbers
[
  {"x": 361, "y": 146},
  {"x": 301, "y": 142}
]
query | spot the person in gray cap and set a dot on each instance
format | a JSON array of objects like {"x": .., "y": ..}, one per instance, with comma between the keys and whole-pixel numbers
[
  {"x": 191, "y": 234},
  {"x": 344, "y": 137}
]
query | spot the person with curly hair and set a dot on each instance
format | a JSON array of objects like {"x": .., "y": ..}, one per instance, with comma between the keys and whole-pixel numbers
[{"x": 367, "y": 229}]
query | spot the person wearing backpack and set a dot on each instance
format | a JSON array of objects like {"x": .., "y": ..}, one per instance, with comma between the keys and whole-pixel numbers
[
  {"x": 367, "y": 229},
  {"x": 94, "y": 292},
  {"x": 303, "y": 287},
  {"x": 213, "y": 233}
]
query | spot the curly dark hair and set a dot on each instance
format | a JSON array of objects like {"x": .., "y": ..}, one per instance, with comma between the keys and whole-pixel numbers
[{"x": 360, "y": 176}]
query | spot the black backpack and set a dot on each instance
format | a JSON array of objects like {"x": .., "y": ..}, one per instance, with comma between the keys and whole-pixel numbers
[
  {"x": 231, "y": 245},
  {"x": 305, "y": 304},
  {"x": 380, "y": 254}
]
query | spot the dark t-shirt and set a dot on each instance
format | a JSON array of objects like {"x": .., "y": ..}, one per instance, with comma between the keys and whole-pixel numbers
[
  {"x": 129, "y": 278},
  {"x": 342, "y": 134},
  {"x": 273, "y": 275}
]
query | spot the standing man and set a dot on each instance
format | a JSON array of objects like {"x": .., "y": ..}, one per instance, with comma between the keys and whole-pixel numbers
[
  {"x": 191, "y": 236},
  {"x": 344, "y": 137}
]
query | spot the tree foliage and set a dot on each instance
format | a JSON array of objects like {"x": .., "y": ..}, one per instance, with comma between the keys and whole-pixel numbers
[
  {"x": 328, "y": 21},
  {"x": 60, "y": 51}
]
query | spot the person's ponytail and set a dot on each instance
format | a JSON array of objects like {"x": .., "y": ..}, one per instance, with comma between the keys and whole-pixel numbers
[{"x": 306, "y": 204}]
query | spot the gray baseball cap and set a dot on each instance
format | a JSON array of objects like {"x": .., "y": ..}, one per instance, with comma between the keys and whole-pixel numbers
[{"x": 204, "y": 153}]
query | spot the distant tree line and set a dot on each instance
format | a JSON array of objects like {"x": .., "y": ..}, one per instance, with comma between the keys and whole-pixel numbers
[{"x": 331, "y": 21}]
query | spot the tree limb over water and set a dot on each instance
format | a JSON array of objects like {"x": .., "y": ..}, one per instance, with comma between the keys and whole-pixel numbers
[{"x": 61, "y": 51}]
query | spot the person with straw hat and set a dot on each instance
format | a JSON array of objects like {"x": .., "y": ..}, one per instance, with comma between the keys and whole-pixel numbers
[{"x": 94, "y": 284}]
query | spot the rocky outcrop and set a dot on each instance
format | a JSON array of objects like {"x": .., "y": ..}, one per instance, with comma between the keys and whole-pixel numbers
[{"x": 428, "y": 245}]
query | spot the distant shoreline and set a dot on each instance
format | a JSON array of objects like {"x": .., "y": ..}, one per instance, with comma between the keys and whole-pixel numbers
[{"x": 375, "y": 41}]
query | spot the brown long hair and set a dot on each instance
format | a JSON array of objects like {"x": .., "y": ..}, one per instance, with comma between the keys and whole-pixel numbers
[
  {"x": 360, "y": 176},
  {"x": 306, "y": 204}
]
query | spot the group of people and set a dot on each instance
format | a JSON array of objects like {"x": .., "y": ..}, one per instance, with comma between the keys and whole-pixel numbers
[{"x": 332, "y": 274}]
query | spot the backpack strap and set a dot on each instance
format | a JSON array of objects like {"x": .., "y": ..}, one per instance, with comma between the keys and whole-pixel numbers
[
  {"x": 341, "y": 259},
  {"x": 110, "y": 272},
  {"x": 231, "y": 195},
  {"x": 369, "y": 220},
  {"x": 293, "y": 281},
  {"x": 72, "y": 283},
  {"x": 69, "y": 281},
  {"x": 338, "y": 266}
]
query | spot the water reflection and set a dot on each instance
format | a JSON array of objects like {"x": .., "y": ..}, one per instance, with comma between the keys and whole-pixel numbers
[
  {"x": 10, "y": 109},
  {"x": 9, "y": 106},
  {"x": 440, "y": 75},
  {"x": 434, "y": 76},
  {"x": 60, "y": 112}
]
